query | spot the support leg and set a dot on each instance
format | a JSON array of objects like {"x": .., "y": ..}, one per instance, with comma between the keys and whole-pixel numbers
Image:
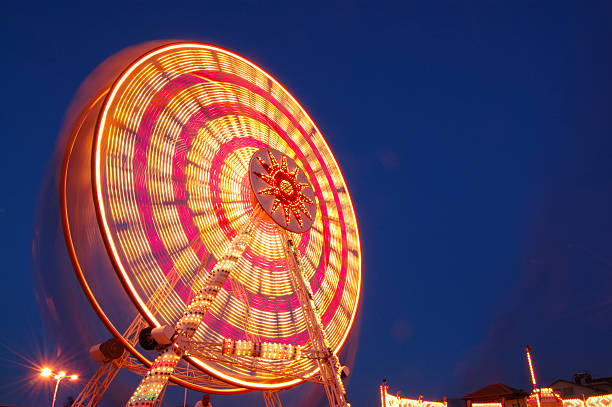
[
  {"x": 271, "y": 398},
  {"x": 157, "y": 377},
  {"x": 99, "y": 382},
  {"x": 329, "y": 364},
  {"x": 106, "y": 372}
]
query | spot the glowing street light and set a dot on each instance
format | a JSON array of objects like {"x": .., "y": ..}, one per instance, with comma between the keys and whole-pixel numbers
[{"x": 46, "y": 372}]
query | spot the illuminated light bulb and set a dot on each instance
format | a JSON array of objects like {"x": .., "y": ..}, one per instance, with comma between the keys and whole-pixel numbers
[
  {"x": 61, "y": 374},
  {"x": 45, "y": 372},
  {"x": 74, "y": 377}
]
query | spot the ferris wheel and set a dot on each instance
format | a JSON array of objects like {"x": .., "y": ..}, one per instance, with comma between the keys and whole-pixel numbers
[{"x": 227, "y": 221}]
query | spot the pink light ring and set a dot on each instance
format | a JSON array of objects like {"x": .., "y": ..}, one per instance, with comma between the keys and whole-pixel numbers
[
  {"x": 237, "y": 80},
  {"x": 264, "y": 119},
  {"x": 221, "y": 327},
  {"x": 141, "y": 153},
  {"x": 231, "y": 78},
  {"x": 320, "y": 274},
  {"x": 194, "y": 123},
  {"x": 143, "y": 139},
  {"x": 214, "y": 178},
  {"x": 217, "y": 110},
  {"x": 183, "y": 291},
  {"x": 157, "y": 248},
  {"x": 263, "y": 262},
  {"x": 316, "y": 280},
  {"x": 264, "y": 303},
  {"x": 288, "y": 303},
  {"x": 335, "y": 302},
  {"x": 245, "y": 195},
  {"x": 219, "y": 159},
  {"x": 234, "y": 79},
  {"x": 270, "y": 228},
  {"x": 202, "y": 253},
  {"x": 178, "y": 186},
  {"x": 304, "y": 241},
  {"x": 273, "y": 264},
  {"x": 261, "y": 302}
]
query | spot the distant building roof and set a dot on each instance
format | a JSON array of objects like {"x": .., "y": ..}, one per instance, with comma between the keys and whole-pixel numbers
[
  {"x": 494, "y": 391},
  {"x": 568, "y": 382},
  {"x": 584, "y": 380}
]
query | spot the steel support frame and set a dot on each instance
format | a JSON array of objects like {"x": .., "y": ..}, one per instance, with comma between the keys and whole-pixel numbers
[
  {"x": 97, "y": 384},
  {"x": 271, "y": 398},
  {"x": 329, "y": 365},
  {"x": 106, "y": 372}
]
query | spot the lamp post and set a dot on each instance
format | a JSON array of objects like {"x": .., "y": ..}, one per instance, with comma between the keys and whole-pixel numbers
[{"x": 46, "y": 372}]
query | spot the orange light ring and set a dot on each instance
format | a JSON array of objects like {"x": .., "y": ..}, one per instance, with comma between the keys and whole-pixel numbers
[{"x": 113, "y": 250}]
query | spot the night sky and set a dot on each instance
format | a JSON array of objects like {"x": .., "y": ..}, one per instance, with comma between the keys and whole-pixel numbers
[{"x": 475, "y": 139}]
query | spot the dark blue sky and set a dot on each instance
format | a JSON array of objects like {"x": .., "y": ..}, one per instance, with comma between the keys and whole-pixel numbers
[{"x": 475, "y": 138}]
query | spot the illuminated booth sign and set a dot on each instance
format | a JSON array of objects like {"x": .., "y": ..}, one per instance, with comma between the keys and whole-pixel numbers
[{"x": 389, "y": 400}]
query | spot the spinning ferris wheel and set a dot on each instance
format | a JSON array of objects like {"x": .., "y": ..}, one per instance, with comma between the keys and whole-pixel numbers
[{"x": 227, "y": 221}]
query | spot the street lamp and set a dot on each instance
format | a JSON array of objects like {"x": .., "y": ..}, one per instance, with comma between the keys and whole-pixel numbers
[{"x": 46, "y": 372}]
